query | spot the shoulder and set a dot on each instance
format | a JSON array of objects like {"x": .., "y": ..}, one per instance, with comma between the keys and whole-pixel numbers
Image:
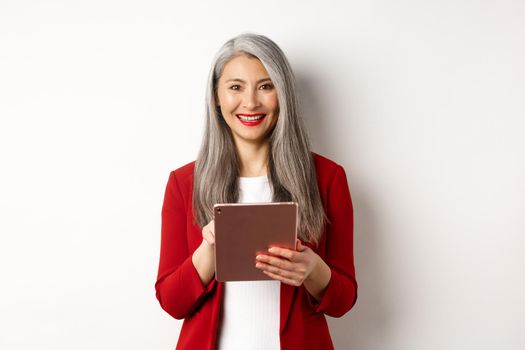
[
  {"x": 185, "y": 170},
  {"x": 324, "y": 167},
  {"x": 328, "y": 173},
  {"x": 183, "y": 176}
]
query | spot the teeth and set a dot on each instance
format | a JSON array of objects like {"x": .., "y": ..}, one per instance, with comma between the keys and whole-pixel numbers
[{"x": 246, "y": 118}]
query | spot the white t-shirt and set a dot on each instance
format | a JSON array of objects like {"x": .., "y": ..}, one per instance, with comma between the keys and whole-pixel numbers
[{"x": 250, "y": 311}]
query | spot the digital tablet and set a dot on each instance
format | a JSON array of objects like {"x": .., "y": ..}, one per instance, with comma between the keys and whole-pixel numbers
[{"x": 242, "y": 230}]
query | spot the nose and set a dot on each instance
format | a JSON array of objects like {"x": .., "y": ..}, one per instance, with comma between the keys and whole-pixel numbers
[{"x": 251, "y": 99}]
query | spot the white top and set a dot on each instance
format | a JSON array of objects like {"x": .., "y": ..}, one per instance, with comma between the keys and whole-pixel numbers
[{"x": 250, "y": 311}]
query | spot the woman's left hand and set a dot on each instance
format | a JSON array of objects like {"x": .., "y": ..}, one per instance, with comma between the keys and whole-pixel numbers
[{"x": 289, "y": 266}]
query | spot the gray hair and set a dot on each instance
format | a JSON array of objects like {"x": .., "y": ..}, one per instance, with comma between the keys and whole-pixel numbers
[{"x": 291, "y": 166}]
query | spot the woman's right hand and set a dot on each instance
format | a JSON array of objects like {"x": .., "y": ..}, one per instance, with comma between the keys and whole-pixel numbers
[{"x": 204, "y": 256}]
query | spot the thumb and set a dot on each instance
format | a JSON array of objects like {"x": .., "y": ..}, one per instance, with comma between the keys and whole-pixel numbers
[{"x": 300, "y": 247}]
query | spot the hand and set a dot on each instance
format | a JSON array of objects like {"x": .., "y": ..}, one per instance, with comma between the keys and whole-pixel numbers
[
  {"x": 204, "y": 256},
  {"x": 208, "y": 233},
  {"x": 289, "y": 266}
]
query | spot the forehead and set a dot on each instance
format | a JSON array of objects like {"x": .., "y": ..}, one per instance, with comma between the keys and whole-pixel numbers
[{"x": 245, "y": 68}]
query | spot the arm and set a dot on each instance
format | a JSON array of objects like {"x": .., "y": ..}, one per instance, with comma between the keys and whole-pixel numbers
[
  {"x": 179, "y": 288},
  {"x": 340, "y": 294}
]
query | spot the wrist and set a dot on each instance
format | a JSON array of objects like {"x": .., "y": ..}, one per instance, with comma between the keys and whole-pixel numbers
[
  {"x": 318, "y": 279},
  {"x": 317, "y": 270}
]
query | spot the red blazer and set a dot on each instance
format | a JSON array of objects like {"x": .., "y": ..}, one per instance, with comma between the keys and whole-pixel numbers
[{"x": 302, "y": 322}]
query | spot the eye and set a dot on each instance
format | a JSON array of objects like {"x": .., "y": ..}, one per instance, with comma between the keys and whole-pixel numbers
[
  {"x": 235, "y": 87},
  {"x": 267, "y": 86}
]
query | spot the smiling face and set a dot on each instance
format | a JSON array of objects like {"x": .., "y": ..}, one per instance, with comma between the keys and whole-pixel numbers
[{"x": 247, "y": 99}]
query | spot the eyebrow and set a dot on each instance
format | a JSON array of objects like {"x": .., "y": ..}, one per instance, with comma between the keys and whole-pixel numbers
[{"x": 242, "y": 81}]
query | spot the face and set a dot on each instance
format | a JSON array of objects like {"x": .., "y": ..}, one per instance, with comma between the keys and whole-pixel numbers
[{"x": 248, "y": 100}]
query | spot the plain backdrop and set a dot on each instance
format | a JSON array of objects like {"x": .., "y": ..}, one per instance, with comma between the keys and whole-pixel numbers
[{"x": 422, "y": 102}]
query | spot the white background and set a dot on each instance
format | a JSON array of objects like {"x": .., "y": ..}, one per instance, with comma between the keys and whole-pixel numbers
[{"x": 422, "y": 102}]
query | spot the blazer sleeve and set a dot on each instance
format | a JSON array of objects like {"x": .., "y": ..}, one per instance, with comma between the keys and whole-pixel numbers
[
  {"x": 340, "y": 294},
  {"x": 179, "y": 289}
]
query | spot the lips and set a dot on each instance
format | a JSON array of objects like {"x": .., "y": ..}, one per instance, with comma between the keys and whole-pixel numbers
[{"x": 251, "y": 119}]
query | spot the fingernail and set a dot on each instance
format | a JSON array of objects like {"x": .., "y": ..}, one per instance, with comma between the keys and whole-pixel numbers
[
  {"x": 258, "y": 265},
  {"x": 271, "y": 250}
]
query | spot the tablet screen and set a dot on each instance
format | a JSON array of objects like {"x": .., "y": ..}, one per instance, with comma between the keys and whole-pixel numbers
[{"x": 242, "y": 230}]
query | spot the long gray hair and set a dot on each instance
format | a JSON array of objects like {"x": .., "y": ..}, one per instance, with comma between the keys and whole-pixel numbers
[{"x": 291, "y": 166}]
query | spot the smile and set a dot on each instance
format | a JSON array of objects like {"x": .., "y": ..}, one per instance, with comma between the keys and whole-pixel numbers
[{"x": 251, "y": 119}]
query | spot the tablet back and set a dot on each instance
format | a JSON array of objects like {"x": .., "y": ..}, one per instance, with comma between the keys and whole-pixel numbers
[{"x": 242, "y": 230}]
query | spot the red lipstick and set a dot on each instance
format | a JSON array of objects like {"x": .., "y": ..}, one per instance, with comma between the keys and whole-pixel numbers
[{"x": 251, "y": 119}]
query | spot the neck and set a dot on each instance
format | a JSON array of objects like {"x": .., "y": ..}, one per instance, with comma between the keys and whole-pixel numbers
[{"x": 253, "y": 158}]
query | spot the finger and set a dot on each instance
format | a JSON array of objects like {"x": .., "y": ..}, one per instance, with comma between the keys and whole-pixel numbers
[
  {"x": 210, "y": 227},
  {"x": 291, "y": 275},
  {"x": 300, "y": 247},
  {"x": 289, "y": 281},
  {"x": 285, "y": 253},
  {"x": 275, "y": 261},
  {"x": 208, "y": 236}
]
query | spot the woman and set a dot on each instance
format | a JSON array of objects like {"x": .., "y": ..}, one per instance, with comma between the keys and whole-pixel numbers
[{"x": 255, "y": 149}]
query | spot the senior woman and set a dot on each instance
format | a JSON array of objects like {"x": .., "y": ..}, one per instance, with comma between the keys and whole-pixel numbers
[{"x": 255, "y": 149}]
